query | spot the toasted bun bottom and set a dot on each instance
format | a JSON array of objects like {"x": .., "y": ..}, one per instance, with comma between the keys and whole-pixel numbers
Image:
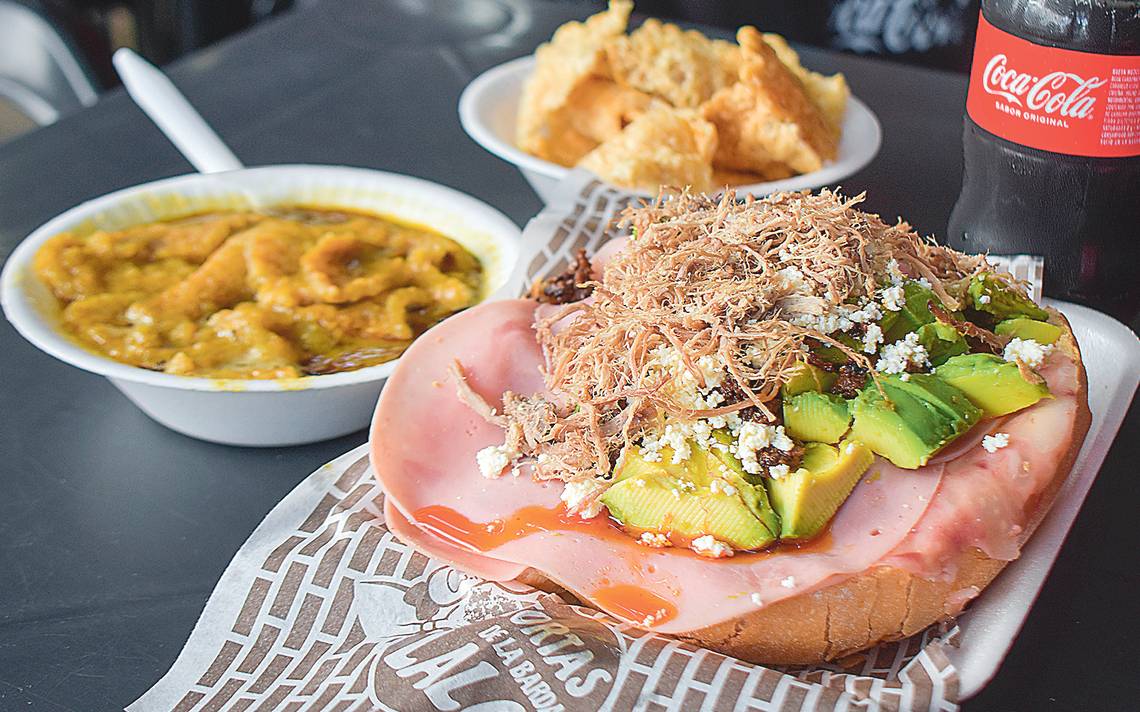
[{"x": 880, "y": 604}]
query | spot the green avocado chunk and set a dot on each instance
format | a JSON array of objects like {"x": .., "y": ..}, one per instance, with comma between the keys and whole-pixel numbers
[
  {"x": 994, "y": 385},
  {"x": 697, "y": 497},
  {"x": 757, "y": 497},
  {"x": 993, "y": 296},
  {"x": 941, "y": 341},
  {"x": 818, "y": 417},
  {"x": 917, "y": 417},
  {"x": 1024, "y": 328},
  {"x": 913, "y": 314},
  {"x": 807, "y": 378},
  {"x": 808, "y": 498}
]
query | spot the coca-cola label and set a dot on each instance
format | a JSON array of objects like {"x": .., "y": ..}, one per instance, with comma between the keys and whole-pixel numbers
[{"x": 1057, "y": 100}]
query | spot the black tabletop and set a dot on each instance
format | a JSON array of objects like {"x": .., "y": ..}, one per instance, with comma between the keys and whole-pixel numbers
[{"x": 113, "y": 530}]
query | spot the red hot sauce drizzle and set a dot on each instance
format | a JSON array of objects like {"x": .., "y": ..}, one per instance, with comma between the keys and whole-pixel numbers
[{"x": 632, "y": 603}]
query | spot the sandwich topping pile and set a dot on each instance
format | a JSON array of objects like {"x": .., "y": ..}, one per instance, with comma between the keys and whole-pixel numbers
[
  {"x": 727, "y": 379},
  {"x": 666, "y": 106}
]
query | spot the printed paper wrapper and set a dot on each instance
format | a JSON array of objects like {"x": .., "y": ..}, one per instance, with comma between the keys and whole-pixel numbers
[{"x": 324, "y": 609}]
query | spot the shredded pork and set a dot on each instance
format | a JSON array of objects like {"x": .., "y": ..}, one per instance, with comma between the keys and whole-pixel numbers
[{"x": 746, "y": 282}]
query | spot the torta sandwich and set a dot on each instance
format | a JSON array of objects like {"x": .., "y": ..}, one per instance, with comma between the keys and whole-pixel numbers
[{"x": 781, "y": 429}]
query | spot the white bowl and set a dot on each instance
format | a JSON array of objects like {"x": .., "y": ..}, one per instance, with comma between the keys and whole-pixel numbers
[
  {"x": 244, "y": 411},
  {"x": 489, "y": 104}
]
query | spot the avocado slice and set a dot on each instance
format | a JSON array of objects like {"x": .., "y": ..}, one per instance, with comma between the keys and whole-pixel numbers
[
  {"x": 949, "y": 399},
  {"x": 757, "y": 497},
  {"x": 941, "y": 341},
  {"x": 994, "y": 385},
  {"x": 818, "y": 417},
  {"x": 1021, "y": 327},
  {"x": 698, "y": 497},
  {"x": 834, "y": 355},
  {"x": 808, "y": 498},
  {"x": 915, "y": 419},
  {"x": 808, "y": 378},
  {"x": 993, "y": 296},
  {"x": 913, "y": 314}
]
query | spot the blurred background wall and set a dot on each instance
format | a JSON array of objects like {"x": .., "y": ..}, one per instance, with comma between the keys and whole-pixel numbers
[{"x": 55, "y": 55}]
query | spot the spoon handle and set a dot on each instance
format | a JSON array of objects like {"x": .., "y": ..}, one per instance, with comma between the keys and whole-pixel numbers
[{"x": 157, "y": 96}]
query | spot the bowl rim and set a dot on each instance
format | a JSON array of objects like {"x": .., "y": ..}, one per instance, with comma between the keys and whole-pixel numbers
[
  {"x": 475, "y": 94},
  {"x": 30, "y": 324}
]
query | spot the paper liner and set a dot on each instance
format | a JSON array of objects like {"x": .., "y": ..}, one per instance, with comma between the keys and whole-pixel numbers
[{"x": 324, "y": 609}]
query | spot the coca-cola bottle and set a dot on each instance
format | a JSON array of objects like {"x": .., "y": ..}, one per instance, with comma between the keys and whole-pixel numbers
[{"x": 1052, "y": 146}]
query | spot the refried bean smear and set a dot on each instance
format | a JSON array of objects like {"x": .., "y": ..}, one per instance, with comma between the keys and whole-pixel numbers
[{"x": 277, "y": 294}]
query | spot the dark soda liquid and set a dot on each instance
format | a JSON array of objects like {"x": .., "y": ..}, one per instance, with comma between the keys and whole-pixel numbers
[{"x": 1081, "y": 213}]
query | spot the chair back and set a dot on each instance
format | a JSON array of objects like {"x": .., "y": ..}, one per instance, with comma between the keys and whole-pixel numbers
[{"x": 40, "y": 75}]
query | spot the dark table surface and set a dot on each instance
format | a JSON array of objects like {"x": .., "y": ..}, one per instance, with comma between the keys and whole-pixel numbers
[{"x": 113, "y": 530}]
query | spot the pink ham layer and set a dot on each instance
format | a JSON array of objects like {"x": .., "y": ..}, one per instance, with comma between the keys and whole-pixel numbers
[
  {"x": 983, "y": 496},
  {"x": 424, "y": 441}
]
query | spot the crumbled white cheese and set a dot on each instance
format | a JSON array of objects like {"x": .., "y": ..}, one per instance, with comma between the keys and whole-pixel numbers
[
  {"x": 675, "y": 438},
  {"x": 872, "y": 337},
  {"x": 1027, "y": 351},
  {"x": 685, "y": 387},
  {"x": 897, "y": 357},
  {"x": 865, "y": 314},
  {"x": 494, "y": 459},
  {"x": 893, "y": 298},
  {"x": 756, "y": 600},
  {"x": 581, "y": 497},
  {"x": 713, "y": 398},
  {"x": 719, "y": 486},
  {"x": 651, "y": 448},
  {"x": 655, "y": 540},
  {"x": 686, "y": 485},
  {"x": 983, "y": 299},
  {"x": 894, "y": 272},
  {"x": 840, "y": 318},
  {"x": 904, "y": 377},
  {"x": 791, "y": 279},
  {"x": 753, "y": 437},
  {"x": 778, "y": 471},
  {"x": 711, "y": 547},
  {"x": 995, "y": 442},
  {"x": 788, "y": 582}
]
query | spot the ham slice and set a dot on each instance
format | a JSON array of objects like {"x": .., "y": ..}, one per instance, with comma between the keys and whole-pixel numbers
[
  {"x": 605, "y": 253},
  {"x": 986, "y": 499},
  {"x": 424, "y": 441},
  {"x": 477, "y": 564}
]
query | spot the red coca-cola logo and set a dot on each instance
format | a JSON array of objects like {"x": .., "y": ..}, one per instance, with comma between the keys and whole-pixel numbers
[
  {"x": 1046, "y": 93},
  {"x": 1059, "y": 100}
]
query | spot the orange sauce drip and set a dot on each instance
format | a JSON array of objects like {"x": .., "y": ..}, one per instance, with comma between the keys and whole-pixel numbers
[
  {"x": 634, "y": 604},
  {"x": 482, "y": 537}
]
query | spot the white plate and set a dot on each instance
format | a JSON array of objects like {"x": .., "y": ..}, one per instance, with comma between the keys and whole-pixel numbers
[
  {"x": 489, "y": 104},
  {"x": 1111, "y": 354}
]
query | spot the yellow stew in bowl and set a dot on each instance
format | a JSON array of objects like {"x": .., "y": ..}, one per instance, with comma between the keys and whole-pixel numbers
[{"x": 277, "y": 294}]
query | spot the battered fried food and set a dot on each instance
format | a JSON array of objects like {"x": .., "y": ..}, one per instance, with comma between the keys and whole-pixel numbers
[
  {"x": 665, "y": 146},
  {"x": 616, "y": 104}
]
